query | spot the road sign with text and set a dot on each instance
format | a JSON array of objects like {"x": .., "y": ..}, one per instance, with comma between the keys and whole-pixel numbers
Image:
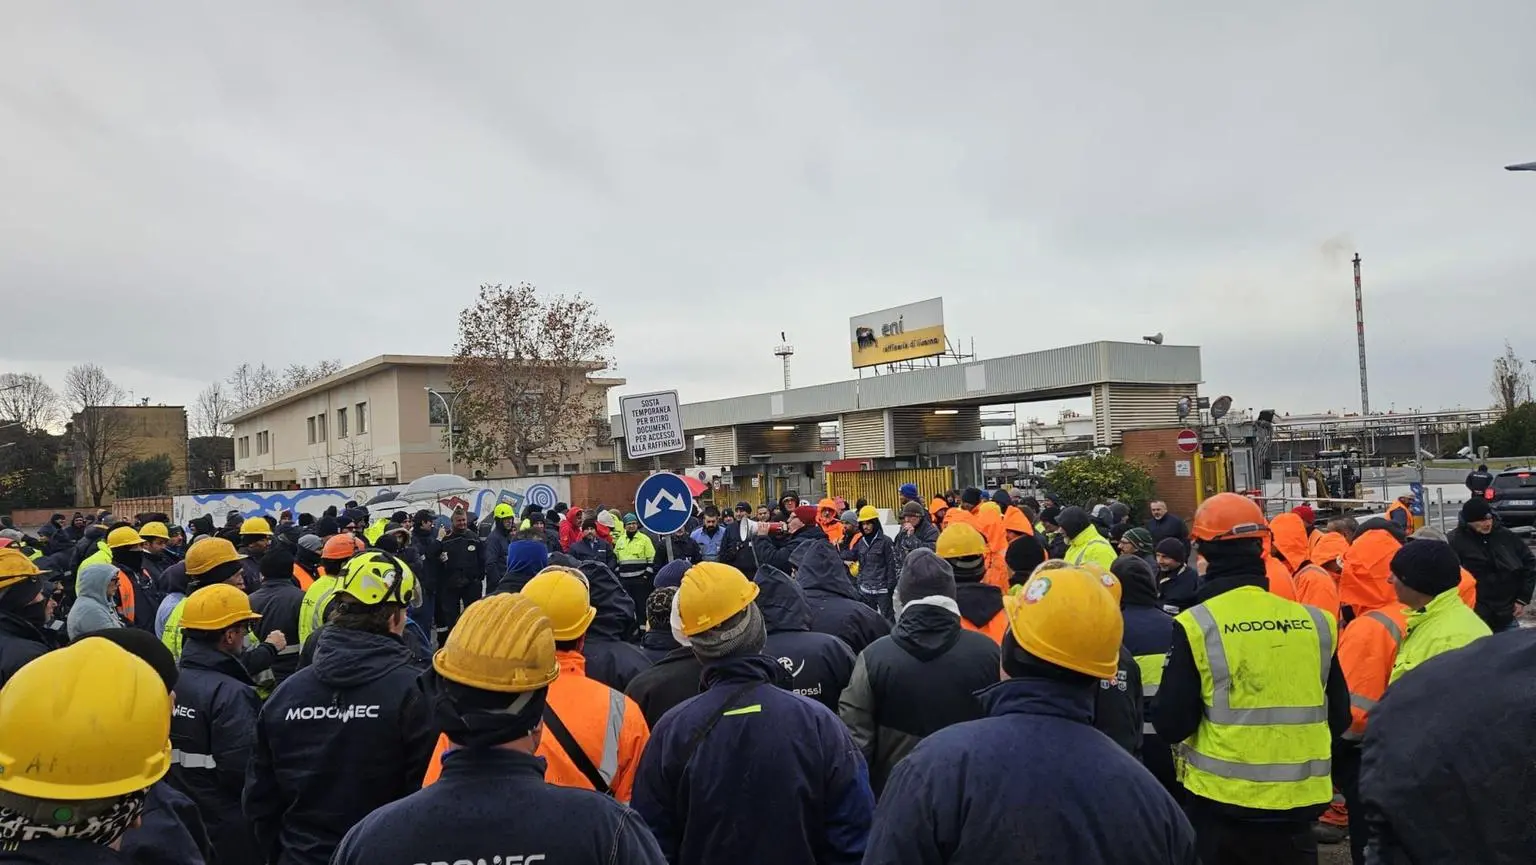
[{"x": 653, "y": 426}]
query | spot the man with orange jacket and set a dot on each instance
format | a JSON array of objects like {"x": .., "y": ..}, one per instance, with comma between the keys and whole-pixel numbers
[
  {"x": 1280, "y": 581},
  {"x": 980, "y": 602},
  {"x": 828, "y": 517},
  {"x": 1314, "y": 585},
  {"x": 1363, "y": 581},
  {"x": 593, "y": 735}
]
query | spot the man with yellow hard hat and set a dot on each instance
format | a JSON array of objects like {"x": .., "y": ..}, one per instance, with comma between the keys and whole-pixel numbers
[
  {"x": 351, "y": 732},
  {"x": 215, "y": 720},
  {"x": 1033, "y": 781},
  {"x": 491, "y": 686},
  {"x": 157, "y": 539},
  {"x": 593, "y": 734},
  {"x": 102, "y": 718},
  {"x": 212, "y": 562},
  {"x": 800, "y": 759},
  {"x": 1253, "y": 698},
  {"x": 26, "y": 605},
  {"x": 255, "y": 540}
]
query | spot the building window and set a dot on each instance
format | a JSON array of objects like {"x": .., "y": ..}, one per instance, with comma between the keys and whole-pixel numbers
[
  {"x": 245, "y": 447},
  {"x": 263, "y": 442},
  {"x": 362, "y": 418},
  {"x": 571, "y": 468},
  {"x": 309, "y": 424},
  {"x": 551, "y": 469},
  {"x": 325, "y": 480},
  {"x": 320, "y": 427},
  {"x": 341, "y": 423},
  {"x": 533, "y": 469},
  {"x": 437, "y": 413},
  {"x": 605, "y": 465}
]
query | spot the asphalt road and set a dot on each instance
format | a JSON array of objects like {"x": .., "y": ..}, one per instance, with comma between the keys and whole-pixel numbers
[{"x": 1333, "y": 854}]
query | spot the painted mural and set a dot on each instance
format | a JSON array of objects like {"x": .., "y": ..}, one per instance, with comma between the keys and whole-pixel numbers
[{"x": 477, "y": 497}]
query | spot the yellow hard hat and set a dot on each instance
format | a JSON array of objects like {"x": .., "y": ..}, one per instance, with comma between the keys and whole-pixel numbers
[
  {"x": 123, "y": 537},
  {"x": 256, "y": 526},
  {"x": 209, "y": 553},
  {"x": 504, "y": 643},
  {"x": 154, "y": 529},
  {"x": 1105, "y": 578},
  {"x": 15, "y": 567},
  {"x": 1066, "y": 617},
  {"x": 711, "y": 593},
  {"x": 565, "y": 599},
  {"x": 216, "y": 607},
  {"x": 960, "y": 541},
  {"x": 867, "y": 513},
  {"x": 90, "y": 721}
]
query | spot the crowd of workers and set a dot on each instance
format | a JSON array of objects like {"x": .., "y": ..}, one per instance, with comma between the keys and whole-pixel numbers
[{"x": 994, "y": 680}]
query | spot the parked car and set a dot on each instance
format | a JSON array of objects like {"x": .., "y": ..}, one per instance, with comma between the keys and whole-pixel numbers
[{"x": 1513, "y": 496}]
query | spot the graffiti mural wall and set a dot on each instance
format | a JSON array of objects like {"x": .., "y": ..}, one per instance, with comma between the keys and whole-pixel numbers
[{"x": 477, "y": 496}]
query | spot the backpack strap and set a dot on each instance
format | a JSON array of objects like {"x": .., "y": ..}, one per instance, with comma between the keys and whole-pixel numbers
[{"x": 573, "y": 749}]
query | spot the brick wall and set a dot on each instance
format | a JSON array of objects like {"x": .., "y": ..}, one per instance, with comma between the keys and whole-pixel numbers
[{"x": 1158, "y": 451}]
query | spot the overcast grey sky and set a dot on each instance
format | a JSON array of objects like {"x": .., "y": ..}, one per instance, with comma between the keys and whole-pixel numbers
[{"x": 186, "y": 186}]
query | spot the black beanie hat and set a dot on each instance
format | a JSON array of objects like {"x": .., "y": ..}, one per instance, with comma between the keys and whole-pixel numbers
[
  {"x": 1023, "y": 555},
  {"x": 277, "y": 564},
  {"x": 1072, "y": 520},
  {"x": 1051, "y": 515},
  {"x": 1476, "y": 510},
  {"x": 1430, "y": 567},
  {"x": 1174, "y": 549},
  {"x": 971, "y": 497},
  {"x": 326, "y": 526}
]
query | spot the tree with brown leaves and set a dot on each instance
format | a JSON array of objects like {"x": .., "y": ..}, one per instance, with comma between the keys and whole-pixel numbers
[
  {"x": 1511, "y": 383},
  {"x": 520, "y": 370}
]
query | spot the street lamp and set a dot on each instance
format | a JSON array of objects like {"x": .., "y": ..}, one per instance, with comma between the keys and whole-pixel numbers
[
  {"x": 1524, "y": 166},
  {"x": 447, "y": 407}
]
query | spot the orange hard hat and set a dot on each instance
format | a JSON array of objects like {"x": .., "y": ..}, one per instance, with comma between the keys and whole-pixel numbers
[
  {"x": 1229, "y": 516},
  {"x": 341, "y": 546}
]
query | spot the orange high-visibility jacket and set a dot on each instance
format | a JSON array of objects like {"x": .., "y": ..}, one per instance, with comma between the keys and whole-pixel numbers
[
  {"x": 1315, "y": 588},
  {"x": 1367, "y": 649},
  {"x": 607, "y": 724},
  {"x": 989, "y": 521},
  {"x": 1363, "y": 584},
  {"x": 994, "y": 629},
  {"x": 1467, "y": 589},
  {"x": 303, "y": 578}
]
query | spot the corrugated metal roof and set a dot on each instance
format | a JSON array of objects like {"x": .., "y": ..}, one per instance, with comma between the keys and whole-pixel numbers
[{"x": 1050, "y": 374}]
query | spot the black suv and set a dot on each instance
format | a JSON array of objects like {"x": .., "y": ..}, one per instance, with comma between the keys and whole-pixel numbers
[{"x": 1514, "y": 496}]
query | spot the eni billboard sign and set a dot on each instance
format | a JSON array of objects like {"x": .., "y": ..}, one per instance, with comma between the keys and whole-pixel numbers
[{"x": 896, "y": 334}]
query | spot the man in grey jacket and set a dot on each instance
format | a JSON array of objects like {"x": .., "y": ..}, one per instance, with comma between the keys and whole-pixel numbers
[{"x": 917, "y": 532}]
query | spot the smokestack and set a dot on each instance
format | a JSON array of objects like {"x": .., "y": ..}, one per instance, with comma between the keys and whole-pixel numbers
[{"x": 1365, "y": 391}]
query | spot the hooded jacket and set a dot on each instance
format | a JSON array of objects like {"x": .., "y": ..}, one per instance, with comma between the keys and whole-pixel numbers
[
  {"x": 1089, "y": 546},
  {"x": 525, "y": 558},
  {"x": 1363, "y": 582},
  {"x": 915, "y": 682},
  {"x": 808, "y": 801},
  {"x": 493, "y": 555},
  {"x": 211, "y": 734},
  {"x": 173, "y": 584},
  {"x": 1030, "y": 782},
  {"x": 1439, "y": 785},
  {"x": 340, "y": 738},
  {"x": 674, "y": 679},
  {"x": 836, "y": 608},
  {"x": 1503, "y": 567},
  {"x": 278, "y": 601},
  {"x": 611, "y": 659},
  {"x": 1443, "y": 625},
  {"x": 1148, "y": 637},
  {"x": 818, "y": 664},
  {"x": 1314, "y": 586},
  {"x": 93, "y": 609},
  {"x": 464, "y": 818}
]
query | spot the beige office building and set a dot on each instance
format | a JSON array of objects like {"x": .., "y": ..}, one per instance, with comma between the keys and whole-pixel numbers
[{"x": 377, "y": 423}]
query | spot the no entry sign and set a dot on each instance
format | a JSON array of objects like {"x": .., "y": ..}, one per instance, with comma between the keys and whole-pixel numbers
[{"x": 1188, "y": 441}]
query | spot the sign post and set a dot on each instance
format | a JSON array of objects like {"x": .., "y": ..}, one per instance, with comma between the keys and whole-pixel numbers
[
  {"x": 1188, "y": 440},
  {"x": 653, "y": 425},
  {"x": 663, "y": 504}
]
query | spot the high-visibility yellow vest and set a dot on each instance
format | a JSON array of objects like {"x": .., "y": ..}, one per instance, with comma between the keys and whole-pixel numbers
[
  {"x": 312, "y": 609},
  {"x": 171, "y": 637},
  {"x": 1151, "y": 667},
  {"x": 1263, "y": 741}
]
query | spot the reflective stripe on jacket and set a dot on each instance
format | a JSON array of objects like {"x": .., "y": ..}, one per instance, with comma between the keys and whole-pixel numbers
[
  {"x": 1263, "y": 741},
  {"x": 1367, "y": 649},
  {"x": 608, "y": 726}
]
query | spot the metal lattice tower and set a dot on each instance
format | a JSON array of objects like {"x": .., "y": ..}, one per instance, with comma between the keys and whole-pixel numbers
[{"x": 784, "y": 352}]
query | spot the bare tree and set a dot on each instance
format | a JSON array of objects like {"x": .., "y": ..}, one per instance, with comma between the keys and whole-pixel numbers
[
  {"x": 27, "y": 400},
  {"x": 101, "y": 436},
  {"x": 352, "y": 463},
  {"x": 253, "y": 385},
  {"x": 1511, "y": 383},
  {"x": 520, "y": 367},
  {"x": 209, "y": 412}
]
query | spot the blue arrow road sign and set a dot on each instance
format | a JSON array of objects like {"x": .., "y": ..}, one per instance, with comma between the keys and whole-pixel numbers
[
  {"x": 1419, "y": 505},
  {"x": 663, "y": 503}
]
